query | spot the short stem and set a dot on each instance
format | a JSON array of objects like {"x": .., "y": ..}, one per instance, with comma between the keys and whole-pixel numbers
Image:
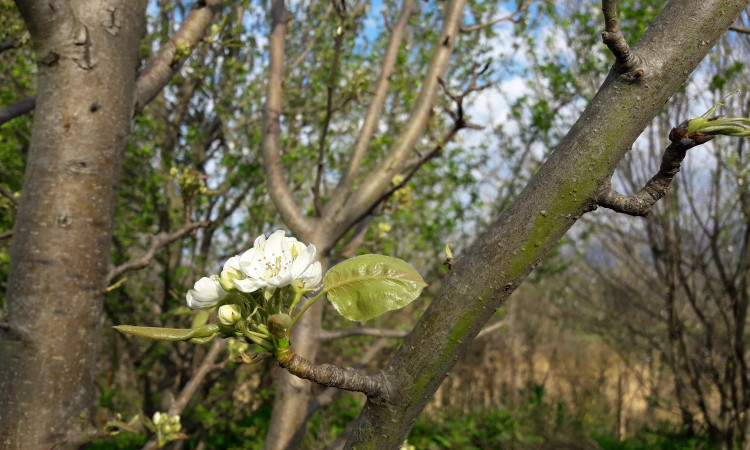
[
  {"x": 257, "y": 338},
  {"x": 307, "y": 306}
]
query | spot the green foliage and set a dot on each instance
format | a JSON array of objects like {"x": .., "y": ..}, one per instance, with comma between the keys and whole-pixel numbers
[{"x": 656, "y": 440}]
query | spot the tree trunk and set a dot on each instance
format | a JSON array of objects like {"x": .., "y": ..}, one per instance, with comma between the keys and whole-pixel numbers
[
  {"x": 86, "y": 54},
  {"x": 563, "y": 189}
]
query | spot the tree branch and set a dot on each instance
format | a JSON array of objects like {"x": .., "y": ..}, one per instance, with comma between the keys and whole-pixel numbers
[
  {"x": 625, "y": 60},
  {"x": 371, "y": 189},
  {"x": 17, "y": 109},
  {"x": 640, "y": 204},
  {"x": 413, "y": 166},
  {"x": 5, "y": 192},
  {"x": 509, "y": 18},
  {"x": 161, "y": 68},
  {"x": 274, "y": 166},
  {"x": 158, "y": 71},
  {"x": 369, "y": 125},
  {"x": 338, "y": 47},
  {"x": 329, "y": 375},
  {"x": 745, "y": 30},
  {"x": 329, "y": 335},
  {"x": 159, "y": 241},
  {"x": 182, "y": 400}
]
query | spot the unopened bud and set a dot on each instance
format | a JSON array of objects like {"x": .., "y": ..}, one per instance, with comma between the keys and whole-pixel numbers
[
  {"x": 278, "y": 324},
  {"x": 229, "y": 314}
]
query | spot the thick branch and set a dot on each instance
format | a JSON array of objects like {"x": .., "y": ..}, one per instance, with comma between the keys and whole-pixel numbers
[
  {"x": 640, "y": 204},
  {"x": 625, "y": 59},
  {"x": 162, "y": 67},
  {"x": 378, "y": 180},
  {"x": 274, "y": 166},
  {"x": 332, "y": 376},
  {"x": 159, "y": 241},
  {"x": 373, "y": 113},
  {"x": 563, "y": 189}
]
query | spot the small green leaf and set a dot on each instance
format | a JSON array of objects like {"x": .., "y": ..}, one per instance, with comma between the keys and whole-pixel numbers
[
  {"x": 198, "y": 335},
  {"x": 367, "y": 286}
]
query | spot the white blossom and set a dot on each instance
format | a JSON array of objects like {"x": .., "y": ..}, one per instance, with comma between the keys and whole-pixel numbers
[
  {"x": 206, "y": 293},
  {"x": 277, "y": 262}
]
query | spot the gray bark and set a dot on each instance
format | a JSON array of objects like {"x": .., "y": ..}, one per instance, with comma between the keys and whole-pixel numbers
[
  {"x": 87, "y": 53},
  {"x": 563, "y": 190}
]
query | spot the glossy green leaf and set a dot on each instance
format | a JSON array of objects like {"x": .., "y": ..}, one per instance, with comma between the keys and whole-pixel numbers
[{"x": 367, "y": 286}]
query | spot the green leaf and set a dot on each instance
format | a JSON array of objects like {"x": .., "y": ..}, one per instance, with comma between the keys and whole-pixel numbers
[
  {"x": 198, "y": 335},
  {"x": 367, "y": 286}
]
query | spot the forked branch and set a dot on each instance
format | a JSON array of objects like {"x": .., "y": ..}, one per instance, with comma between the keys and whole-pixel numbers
[
  {"x": 640, "y": 204},
  {"x": 160, "y": 240}
]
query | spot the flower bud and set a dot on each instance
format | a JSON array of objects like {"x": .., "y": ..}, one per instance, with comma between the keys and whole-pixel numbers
[
  {"x": 229, "y": 314},
  {"x": 278, "y": 324},
  {"x": 159, "y": 418}
]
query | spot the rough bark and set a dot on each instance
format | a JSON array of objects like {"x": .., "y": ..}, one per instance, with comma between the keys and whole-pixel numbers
[
  {"x": 563, "y": 189},
  {"x": 87, "y": 54}
]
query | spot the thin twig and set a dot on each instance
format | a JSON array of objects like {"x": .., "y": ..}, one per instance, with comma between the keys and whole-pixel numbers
[
  {"x": 159, "y": 241},
  {"x": 330, "y": 89},
  {"x": 509, "y": 18},
  {"x": 182, "y": 400},
  {"x": 329, "y": 335},
  {"x": 745, "y": 30},
  {"x": 5, "y": 192}
]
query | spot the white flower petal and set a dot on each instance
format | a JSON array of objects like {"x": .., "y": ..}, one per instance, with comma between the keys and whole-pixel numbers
[
  {"x": 249, "y": 284},
  {"x": 313, "y": 276},
  {"x": 206, "y": 293}
]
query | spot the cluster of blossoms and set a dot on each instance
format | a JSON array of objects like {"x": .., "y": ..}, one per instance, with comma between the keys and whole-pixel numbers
[{"x": 272, "y": 263}]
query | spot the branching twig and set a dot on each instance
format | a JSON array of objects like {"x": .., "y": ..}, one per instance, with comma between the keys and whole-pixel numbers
[
  {"x": 163, "y": 66},
  {"x": 373, "y": 113},
  {"x": 159, "y": 70},
  {"x": 159, "y": 241},
  {"x": 182, "y": 400},
  {"x": 459, "y": 123},
  {"x": 640, "y": 204},
  {"x": 332, "y": 376},
  {"x": 625, "y": 60},
  {"x": 509, "y": 18}
]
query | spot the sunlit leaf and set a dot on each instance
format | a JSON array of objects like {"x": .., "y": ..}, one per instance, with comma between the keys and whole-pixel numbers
[{"x": 367, "y": 286}]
